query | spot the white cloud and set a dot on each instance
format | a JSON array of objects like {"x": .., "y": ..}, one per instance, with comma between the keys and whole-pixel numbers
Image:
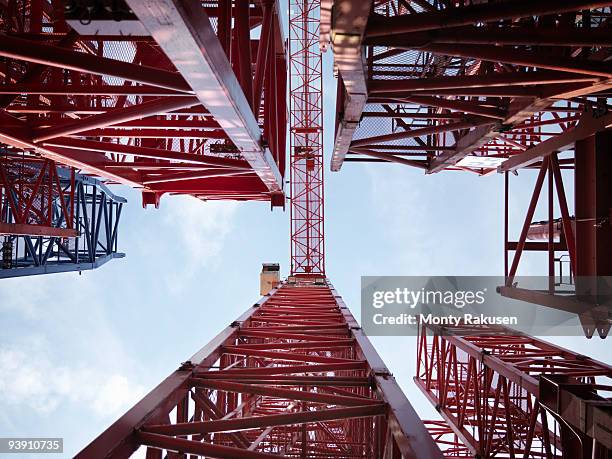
[
  {"x": 32, "y": 379},
  {"x": 401, "y": 219},
  {"x": 116, "y": 394},
  {"x": 201, "y": 228}
]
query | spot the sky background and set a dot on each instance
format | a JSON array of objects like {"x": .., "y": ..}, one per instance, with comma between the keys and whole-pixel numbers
[{"x": 76, "y": 351}]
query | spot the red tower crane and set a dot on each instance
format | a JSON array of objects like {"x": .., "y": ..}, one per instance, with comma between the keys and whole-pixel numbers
[
  {"x": 295, "y": 376},
  {"x": 306, "y": 125},
  {"x": 172, "y": 102}
]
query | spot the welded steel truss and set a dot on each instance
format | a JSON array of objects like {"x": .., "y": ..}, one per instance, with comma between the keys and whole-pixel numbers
[
  {"x": 52, "y": 219},
  {"x": 294, "y": 376},
  {"x": 449, "y": 85},
  {"x": 576, "y": 243},
  {"x": 306, "y": 130},
  {"x": 32, "y": 199},
  {"x": 194, "y": 104},
  {"x": 487, "y": 384},
  {"x": 489, "y": 87}
]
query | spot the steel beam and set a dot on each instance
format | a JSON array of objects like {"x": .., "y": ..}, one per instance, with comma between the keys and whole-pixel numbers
[
  {"x": 36, "y": 230},
  {"x": 197, "y": 175},
  {"x": 525, "y": 58},
  {"x": 587, "y": 126},
  {"x": 154, "y": 133},
  {"x": 253, "y": 422},
  {"x": 568, "y": 303},
  {"x": 180, "y": 446},
  {"x": 539, "y": 77},
  {"x": 473, "y": 108},
  {"x": 592, "y": 198},
  {"x": 560, "y": 36},
  {"x": 405, "y": 426},
  {"x": 53, "y": 56},
  {"x": 58, "y": 268},
  {"x": 145, "y": 152},
  {"x": 88, "y": 90},
  {"x": 456, "y": 126},
  {"x": 188, "y": 39},
  {"x": 349, "y": 23},
  {"x": 115, "y": 116},
  {"x": 67, "y": 158},
  {"x": 391, "y": 157}
]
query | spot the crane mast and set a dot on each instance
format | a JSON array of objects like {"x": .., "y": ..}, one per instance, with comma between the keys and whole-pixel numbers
[{"x": 306, "y": 133}]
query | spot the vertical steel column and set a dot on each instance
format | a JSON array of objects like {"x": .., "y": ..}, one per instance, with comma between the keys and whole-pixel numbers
[
  {"x": 306, "y": 149},
  {"x": 593, "y": 201},
  {"x": 593, "y": 233}
]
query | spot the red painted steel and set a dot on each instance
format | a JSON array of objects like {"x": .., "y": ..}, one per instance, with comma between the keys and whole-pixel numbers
[
  {"x": 306, "y": 143},
  {"x": 294, "y": 377},
  {"x": 570, "y": 289},
  {"x": 29, "y": 189},
  {"x": 60, "y": 86},
  {"x": 525, "y": 67},
  {"x": 484, "y": 382},
  {"x": 448, "y": 441}
]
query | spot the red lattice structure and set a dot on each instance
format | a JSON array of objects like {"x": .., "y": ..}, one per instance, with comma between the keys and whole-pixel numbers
[
  {"x": 294, "y": 376},
  {"x": 467, "y": 85},
  {"x": 486, "y": 87},
  {"x": 32, "y": 199},
  {"x": 489, "y": 387},
  {"x": 448, "y": 440},
  {"x": 306, "y": 126},
  {"x": 107, "y": 90}
]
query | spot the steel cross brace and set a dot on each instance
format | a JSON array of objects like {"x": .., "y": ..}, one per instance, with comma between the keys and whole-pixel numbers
[{"x": 485, "y": 383}]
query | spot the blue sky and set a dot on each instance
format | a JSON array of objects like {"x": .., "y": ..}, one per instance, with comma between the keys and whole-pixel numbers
[{"x": 77, "y": 351}]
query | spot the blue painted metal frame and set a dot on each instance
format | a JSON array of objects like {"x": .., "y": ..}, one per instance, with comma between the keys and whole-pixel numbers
[{"x": 96, "y": 218}]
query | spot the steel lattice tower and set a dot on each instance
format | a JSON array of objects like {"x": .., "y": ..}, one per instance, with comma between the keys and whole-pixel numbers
[
  {"x": 295, "y": 376},
  {"x": 306, "y": 125}
]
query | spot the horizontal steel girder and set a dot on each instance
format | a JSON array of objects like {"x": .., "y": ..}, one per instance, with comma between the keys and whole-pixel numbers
[
  {"x": 35, "y": 230},
  {"x": 54, "y": 56}
]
